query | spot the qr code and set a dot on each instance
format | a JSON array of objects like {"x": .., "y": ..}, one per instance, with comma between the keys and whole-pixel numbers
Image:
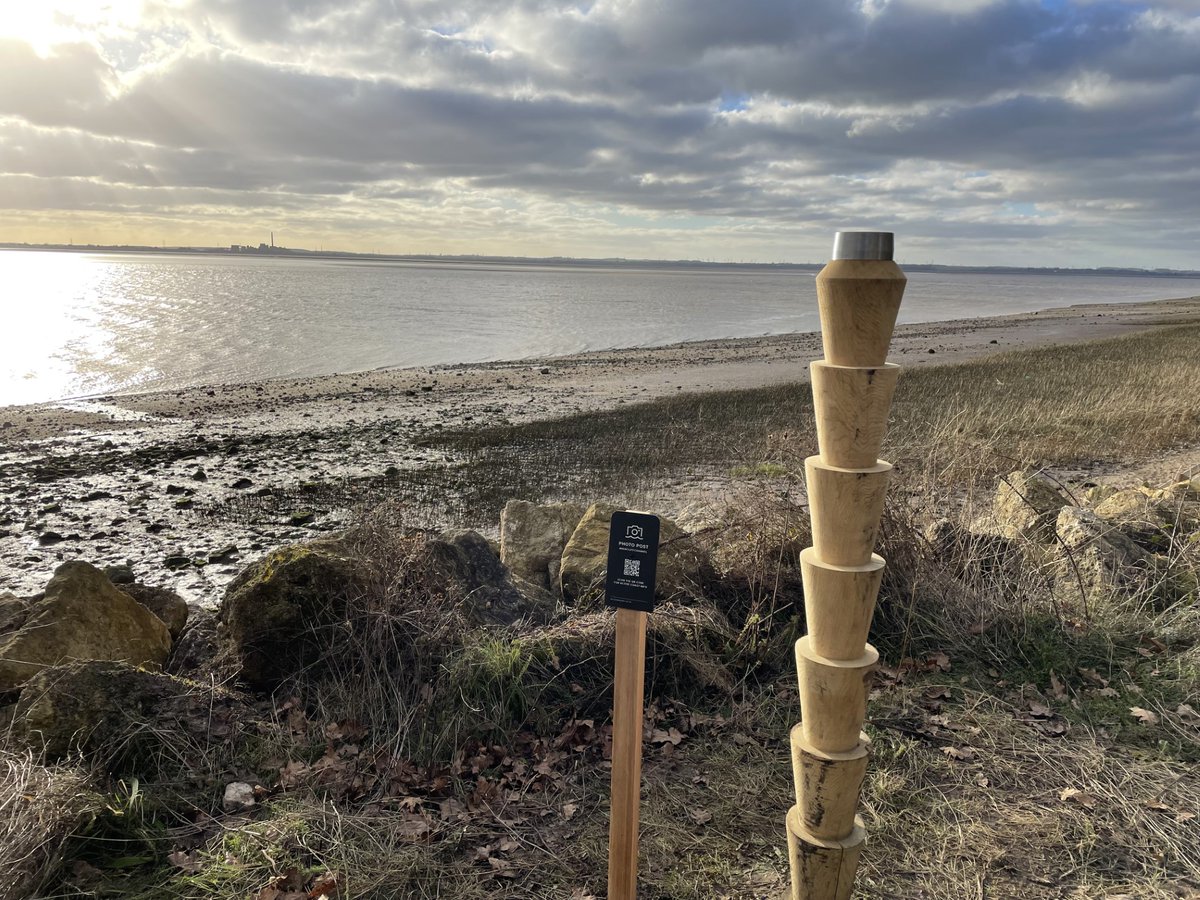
[{"x": 633, "y": 567}]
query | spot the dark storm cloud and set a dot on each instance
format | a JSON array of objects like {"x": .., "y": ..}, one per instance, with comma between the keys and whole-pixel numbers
[{"x": 955, "y": 118}]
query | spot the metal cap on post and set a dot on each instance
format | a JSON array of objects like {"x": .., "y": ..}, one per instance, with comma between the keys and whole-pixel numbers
[{"x": 863, "y": 245}]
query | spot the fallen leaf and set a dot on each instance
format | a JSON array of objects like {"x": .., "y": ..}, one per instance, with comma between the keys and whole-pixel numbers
[
  {"x": 699, "y": 816},
  {"x": 941, "y": 660},
  {"x": 1077, "y": 796},
  {"x": 1093, "y": 676},
  {"x": 1108, "y": 692},
  {"x": 1039, "y": 711},
  {"x": 185, "y": 861},
  {"x": 960, "y": 753},
  {"x": 1144, "y": 715},
  {"x": 1185, "y": 711},
  {"x": 1056, "y": 687},
  {"x": 673, "y": 737},
  {"x": 324, "y": 886},
  {"x": 938, "y": 693},
  {"x": 569, "y": 810}
]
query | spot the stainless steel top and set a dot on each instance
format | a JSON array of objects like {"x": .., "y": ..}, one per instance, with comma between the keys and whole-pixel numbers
[{"x": 863, "y": 245}]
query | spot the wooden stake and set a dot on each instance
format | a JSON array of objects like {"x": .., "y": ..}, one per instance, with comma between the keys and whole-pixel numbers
[{"x": 626, "y": 754}]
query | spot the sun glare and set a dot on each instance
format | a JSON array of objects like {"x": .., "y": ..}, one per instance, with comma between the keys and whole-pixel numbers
[{"x": 43, "y": 25}]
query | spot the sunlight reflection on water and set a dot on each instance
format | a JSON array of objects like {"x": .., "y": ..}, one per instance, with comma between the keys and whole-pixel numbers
[{"x": 77, "y": 324}]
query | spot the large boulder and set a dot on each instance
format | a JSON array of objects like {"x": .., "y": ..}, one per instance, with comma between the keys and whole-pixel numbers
[
  {"x": 466, "y": 570},
  {"x": 1095, "y": 559},
  {"x": 683, "y": 565},
  {"x": 81, "y": 616},
  {"x": 277, "y": 612},
  {"x": 14, "y": 611},
  {"x": 120, "y": 715},
  {"x": 171, "y": 609},
  {"x": 1025, "y": 506},
  {"x": 532, "y": 538}
]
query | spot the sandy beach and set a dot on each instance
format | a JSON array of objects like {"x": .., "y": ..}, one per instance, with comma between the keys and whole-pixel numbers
[{"x": 143, "y": 478}]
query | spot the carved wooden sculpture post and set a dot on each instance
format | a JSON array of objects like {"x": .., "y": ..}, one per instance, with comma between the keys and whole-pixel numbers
[{"x": 859, "y": 294}]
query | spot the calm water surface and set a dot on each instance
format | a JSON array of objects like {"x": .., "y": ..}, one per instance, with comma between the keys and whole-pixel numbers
[{"x": 77, "y": 324}]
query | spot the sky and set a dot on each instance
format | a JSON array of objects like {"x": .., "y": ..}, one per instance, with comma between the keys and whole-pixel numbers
[{"x": 1021, "y": 132}]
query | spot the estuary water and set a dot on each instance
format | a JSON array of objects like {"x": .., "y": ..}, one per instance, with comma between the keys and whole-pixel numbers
[{"x": 78, "y": 324}]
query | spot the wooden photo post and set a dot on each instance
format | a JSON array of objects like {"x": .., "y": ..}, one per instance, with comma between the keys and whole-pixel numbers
[
  {"x": 629, "y": 586},
  {"x": 859, "y": 294}
]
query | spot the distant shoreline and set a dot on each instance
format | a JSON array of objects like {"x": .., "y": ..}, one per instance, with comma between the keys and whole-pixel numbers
[{"x": 292, "y": 253}]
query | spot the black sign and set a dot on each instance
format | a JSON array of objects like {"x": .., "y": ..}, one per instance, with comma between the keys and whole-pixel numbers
[{"x": 632, "y": 561}]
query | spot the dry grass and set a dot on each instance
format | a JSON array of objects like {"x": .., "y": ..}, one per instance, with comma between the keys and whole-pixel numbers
[
  {"x": 40, "y": 808},
  {"x": 1118, "y": 399}
]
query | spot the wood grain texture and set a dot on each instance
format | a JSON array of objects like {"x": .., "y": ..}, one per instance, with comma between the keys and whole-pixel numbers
[
  {"x": 822, "y": 870},
  {"x": 833, "y": 697},
  {"x": 845, "y": 506},
  {"x": 828, "y": 785},
  {"x": 626, "y": 754},
  {"x": 839, "y": 602},
  {"x": 858, "y": 301},
  {"x": 851, "y": 405}
]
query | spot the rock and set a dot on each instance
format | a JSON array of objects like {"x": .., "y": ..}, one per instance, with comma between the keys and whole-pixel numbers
[
  {"x": 275, "y": 610},
  {"x": 1098, "y": 494},
  {"x": 1025, "y": 506},
  {"x": 82, "y": 616},
  {"x": 301, "y": 518},
  {"x": 698, "y": 516},
  {"x": 225, "y": 554},
  {"x": 1078, "y": 528},
  {"x": 177, "y": 561},
  {"x": 198, "y": 647},
  {"x": 50, "y": 538},
  {"x": 1095, "y": 558},
  {"x": 533, "y": 536},
  {"x": 199, "y": 474},
  {"x": 13, "y": 612},
  {"x": 119, "y": 574},
  {"x": 170, "y": 608},
  {"x": 239, "y": 797},
  {"x": 682, "y": 564},
  {"x": 465, "y": 568},
  {"x": 1148, "y": 521},
  {"x": 102, "y": 709}
]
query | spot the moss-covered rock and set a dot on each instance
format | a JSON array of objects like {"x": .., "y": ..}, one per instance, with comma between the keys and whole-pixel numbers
[
  {"x": 276, "y": 613},
  {"x": 116, "y": 714},
  {"x": 81, "y": 616}
]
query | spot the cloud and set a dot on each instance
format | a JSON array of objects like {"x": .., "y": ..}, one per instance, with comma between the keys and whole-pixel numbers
[{"x": 764, "y": 123}]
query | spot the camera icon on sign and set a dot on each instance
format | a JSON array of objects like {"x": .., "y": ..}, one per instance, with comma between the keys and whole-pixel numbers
[{"x": 634, "y": 531}]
